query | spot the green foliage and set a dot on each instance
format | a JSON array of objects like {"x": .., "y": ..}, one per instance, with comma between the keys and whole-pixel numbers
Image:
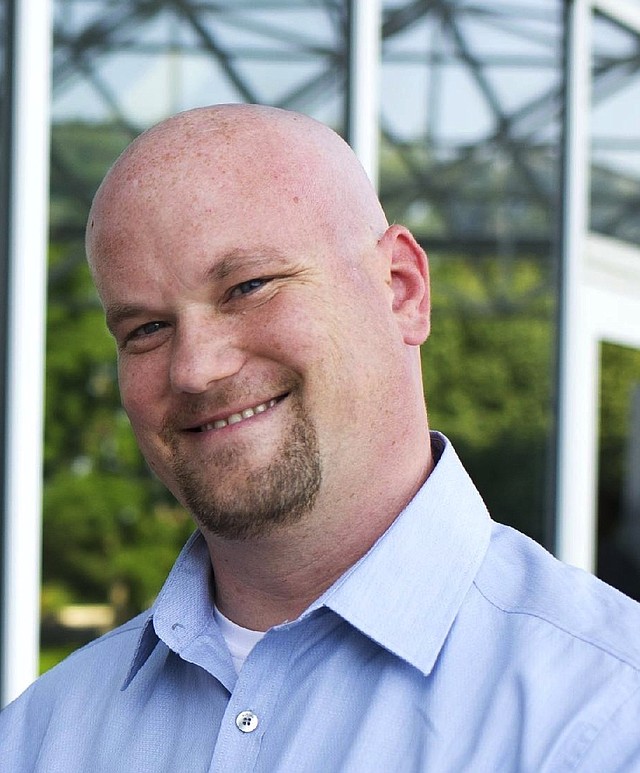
[
  {"x": 619, "y": 378},
  {"x": 488, "y": 372},
  {"x": 111, "y": 531},
  {"x": 51, "y": 656}
]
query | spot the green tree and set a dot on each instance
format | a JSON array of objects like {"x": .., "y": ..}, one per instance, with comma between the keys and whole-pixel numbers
[
  {"x": 488, "y": 373},
  {"x": 111, "y": 531}
]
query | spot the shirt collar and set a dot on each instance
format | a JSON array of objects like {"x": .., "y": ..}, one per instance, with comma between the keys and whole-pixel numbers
[
  {"x": 183, "y": 607},
  {"x": 404, "y": 593},
  {"x": 407, "y": 590}
]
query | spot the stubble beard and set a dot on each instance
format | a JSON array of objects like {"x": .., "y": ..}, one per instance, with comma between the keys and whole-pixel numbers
[{"x": 279, "y": 493}]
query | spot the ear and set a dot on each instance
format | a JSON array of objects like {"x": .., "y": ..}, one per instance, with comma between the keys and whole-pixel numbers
[{"x": 409, "y": 282}]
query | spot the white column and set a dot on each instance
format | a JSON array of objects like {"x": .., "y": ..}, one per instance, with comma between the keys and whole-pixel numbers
[
  {"x": 364, "y": 83},
  {"x": 578, "y": 365},
  {"x": 25, "y": 368}
]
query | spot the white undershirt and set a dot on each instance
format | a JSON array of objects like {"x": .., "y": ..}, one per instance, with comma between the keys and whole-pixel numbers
[{"x": 240, "y": 641}]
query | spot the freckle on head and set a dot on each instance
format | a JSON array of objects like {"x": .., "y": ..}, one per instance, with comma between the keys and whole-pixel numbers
[{"x": 307, "y": 162}]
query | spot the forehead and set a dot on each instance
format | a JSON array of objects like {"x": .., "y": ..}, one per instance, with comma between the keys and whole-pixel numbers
[
  {"x": 193, "y": 190},
  {"x": 177, "y": 236},
  {"x": 206, "y": 194}
]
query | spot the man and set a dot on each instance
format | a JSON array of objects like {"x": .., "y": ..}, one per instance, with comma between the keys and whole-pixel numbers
[{"x": 347, "y": 604}]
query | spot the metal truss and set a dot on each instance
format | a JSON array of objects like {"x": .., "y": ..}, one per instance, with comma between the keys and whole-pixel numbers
[{"x": 487, "y": 189}]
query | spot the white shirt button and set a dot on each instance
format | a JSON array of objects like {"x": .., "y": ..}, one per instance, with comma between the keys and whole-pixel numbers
[{"x": 246, "y": 721}]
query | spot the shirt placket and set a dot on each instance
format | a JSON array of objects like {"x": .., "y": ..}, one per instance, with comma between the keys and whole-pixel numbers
[{"x": 252, "y": 705}]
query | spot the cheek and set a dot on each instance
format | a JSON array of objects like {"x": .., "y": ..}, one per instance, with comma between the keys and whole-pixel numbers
[
  {"x": 290, "y": 333},
  {"x": 138, "y": 393}
]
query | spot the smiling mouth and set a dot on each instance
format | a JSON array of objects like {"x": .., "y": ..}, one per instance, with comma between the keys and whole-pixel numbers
[{"x": 236, "y": 418}]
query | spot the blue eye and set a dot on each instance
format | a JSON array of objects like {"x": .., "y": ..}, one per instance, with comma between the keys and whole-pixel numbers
[
  {"x": 147, "y": 329},
  {"x": 244, "y": 288}
]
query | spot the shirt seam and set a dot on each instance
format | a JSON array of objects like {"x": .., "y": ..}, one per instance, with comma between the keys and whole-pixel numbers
[
  {"x": 127, "y": 628},
  {"x": 604, "y": 726},
  {"x": 110, "y": 635},
  {"x": 619, "y": 656}
]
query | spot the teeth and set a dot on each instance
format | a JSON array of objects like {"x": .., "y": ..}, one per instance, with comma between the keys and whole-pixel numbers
[{"x": 235, "y": 418}]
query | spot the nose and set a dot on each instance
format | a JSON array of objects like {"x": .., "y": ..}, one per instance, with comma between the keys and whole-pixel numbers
[{"x": 204, "y": 351}]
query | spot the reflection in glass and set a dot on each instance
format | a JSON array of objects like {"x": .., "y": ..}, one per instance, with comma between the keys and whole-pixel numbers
[
  {"x": 5, "y": 126},
  {"x": 4, "y": 106},
  {"x": 615, "y": 131},
  {"x": 5, "y": 155},
  {"x": 619, "y": 466},
  {"x": 111, "y": 531},
  {"x": 3, "y": 49},
  {"x": 137, "y": 62},
  {"x": 470, "y": 147},
  {"x": 470, "y": 161}
]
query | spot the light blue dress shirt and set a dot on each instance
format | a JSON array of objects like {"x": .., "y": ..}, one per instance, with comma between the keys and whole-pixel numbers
[{"x": 454, "y": 646}]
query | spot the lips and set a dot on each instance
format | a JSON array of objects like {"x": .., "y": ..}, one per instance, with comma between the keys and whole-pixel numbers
[{"x": 236, "y": 418}]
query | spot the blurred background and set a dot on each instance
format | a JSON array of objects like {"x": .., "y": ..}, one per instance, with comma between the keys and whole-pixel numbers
[{"x": 506, "y": 135}]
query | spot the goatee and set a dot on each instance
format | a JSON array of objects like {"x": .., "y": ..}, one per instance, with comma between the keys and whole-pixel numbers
[{"x": 279, "y": 493}]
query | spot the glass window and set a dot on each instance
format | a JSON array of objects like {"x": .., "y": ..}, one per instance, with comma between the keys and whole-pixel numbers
[
  {"x": 470, "y": 105},
  {"x": 618, "y": 463},
  {"x": 470, "y": 161},
  {"x": 615, "y": 131},
  {"x": 6, "y": 24},
  {"x": 135, "y": 63},
  {"x": 111, "y": 531},
  {"x": 5, "y": 121},
  {"x": 5, "y": 155}
]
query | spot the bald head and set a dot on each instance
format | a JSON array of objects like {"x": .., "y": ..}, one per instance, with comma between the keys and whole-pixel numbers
[
  {"x": 272, "y": 162},
  {"x": 249, "y": 278}
]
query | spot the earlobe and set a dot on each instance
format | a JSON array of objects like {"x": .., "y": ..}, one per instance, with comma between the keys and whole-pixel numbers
[{"x": 409, "y": 281}]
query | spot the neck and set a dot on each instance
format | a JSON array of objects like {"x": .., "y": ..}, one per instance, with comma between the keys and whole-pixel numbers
[
  {"x": 273, "y": 578},
  {"x": 264, "y": 582}
]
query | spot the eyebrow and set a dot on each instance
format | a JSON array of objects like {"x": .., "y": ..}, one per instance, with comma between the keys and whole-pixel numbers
[
  {"x": 235, "y": 260},
  {"x": 241, "y": 258},
  {"x": 117, "y": 312}
]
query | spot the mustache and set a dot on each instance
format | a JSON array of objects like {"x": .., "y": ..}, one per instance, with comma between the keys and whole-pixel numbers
[{"x": 190, "y": 408}]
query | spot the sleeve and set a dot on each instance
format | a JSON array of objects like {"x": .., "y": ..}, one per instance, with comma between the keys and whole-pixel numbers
[
  {"x": 616, "y": 748},
  {"x": 21, "y": 729}
]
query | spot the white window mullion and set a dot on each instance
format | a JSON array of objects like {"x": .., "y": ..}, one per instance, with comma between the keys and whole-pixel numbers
[
  {"x": 364, "y": 83},
  {"x": 578, "y": 369},
  {"x": 29, "y": 192}
]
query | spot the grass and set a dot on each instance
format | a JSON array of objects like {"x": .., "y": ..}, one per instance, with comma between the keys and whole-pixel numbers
[{"x": 52, "y": 655}]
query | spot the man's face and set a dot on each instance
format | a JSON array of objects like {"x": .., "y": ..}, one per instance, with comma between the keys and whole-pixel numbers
[{"x": 248, "y": 348}]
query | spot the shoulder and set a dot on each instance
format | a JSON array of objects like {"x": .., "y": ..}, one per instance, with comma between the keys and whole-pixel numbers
[
  {"x": 564, "y": 646},
  {"x": 114, "y": 650},
  {"x": 58, "y": 717},
  {"x": 521, "y": 580},
  {"x": 96, "y": 668}
]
